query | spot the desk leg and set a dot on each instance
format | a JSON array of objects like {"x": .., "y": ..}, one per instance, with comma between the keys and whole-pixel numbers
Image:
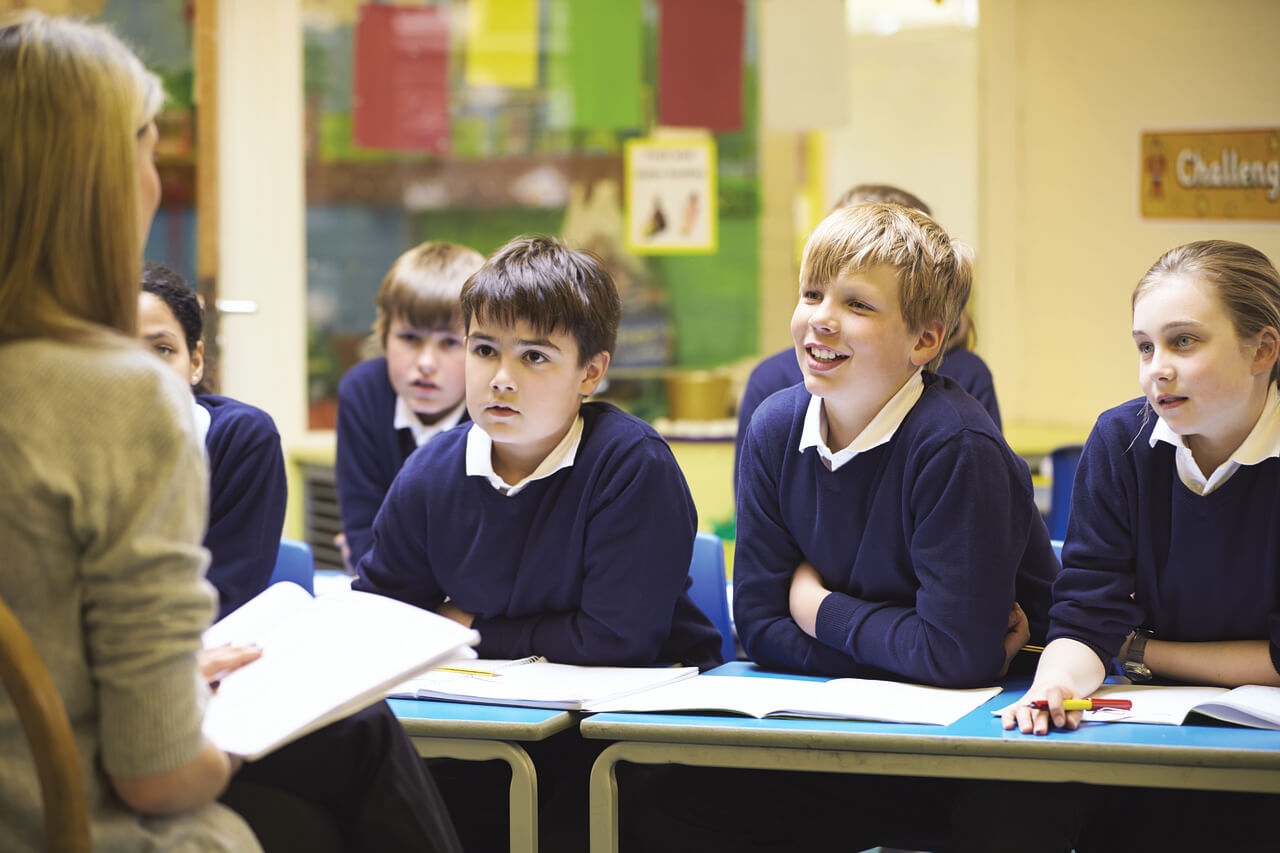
[
  {"x": 604, "y": 801},
  {"x": 524, "y": 782}
]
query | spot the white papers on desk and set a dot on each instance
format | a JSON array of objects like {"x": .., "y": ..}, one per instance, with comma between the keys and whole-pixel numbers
[
  {"x": 838, "y": 699},
  {"x": 535, "y": 683},
  {"x": 1251, "y": 705},
  {"x": 322, "y": 659}
]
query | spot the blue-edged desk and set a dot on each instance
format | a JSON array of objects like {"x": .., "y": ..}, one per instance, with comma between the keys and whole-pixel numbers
[
  {"x": 482, "y": 733},
  {"x": 975, "y": 747}
]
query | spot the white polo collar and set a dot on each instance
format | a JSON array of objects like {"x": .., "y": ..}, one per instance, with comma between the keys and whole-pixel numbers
[
  {"x": 480, "y": 458},
  {"x": 1262, "y": 443},
  {"x": 877, "y": 432}
]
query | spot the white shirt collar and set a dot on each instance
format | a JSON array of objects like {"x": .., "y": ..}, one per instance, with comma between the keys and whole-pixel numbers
[
  {"x": 422, "y": 433},
  {"x": 203, "y": 420},
  {"x": 1262, "y": 443},
  {"x": 480, "y": 458},
  {"x": 874, "y": 434}
]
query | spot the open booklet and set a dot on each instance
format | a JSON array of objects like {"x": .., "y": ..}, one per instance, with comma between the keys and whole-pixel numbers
[
  {"x": 838, "y": 699},
  {"x": 1251, "y": 705},
  {"x": 535, "y": 683},
  {"x": 322, "y": 659}
]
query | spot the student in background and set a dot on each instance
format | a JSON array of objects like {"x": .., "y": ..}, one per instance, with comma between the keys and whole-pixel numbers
[
  {"x": 102, "y": 492},
  {"x": 885, "y": 530},
  {"x": 247, "y": 490},
  {"x": 782, "y": 369},
  {"x": 393, "y": 404},
  {"x": 361, "y": 771},
  {"x": 1170, "y": 562},
  {"x": 552, "y": 526}
]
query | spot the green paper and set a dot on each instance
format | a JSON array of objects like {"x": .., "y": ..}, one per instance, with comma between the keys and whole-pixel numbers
[{"x": 598, "y": 72}]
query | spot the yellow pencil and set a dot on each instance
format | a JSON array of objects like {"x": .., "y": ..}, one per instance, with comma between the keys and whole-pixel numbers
[{"x": 464, "y": 671}]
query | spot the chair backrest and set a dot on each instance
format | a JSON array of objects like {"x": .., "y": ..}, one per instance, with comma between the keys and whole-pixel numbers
[
  {"x": 294, "y": 562},
  {"x": 1064, "y": 461},
  {"x": 53, "y": 748},
  {"x": 708, "y": 589}
]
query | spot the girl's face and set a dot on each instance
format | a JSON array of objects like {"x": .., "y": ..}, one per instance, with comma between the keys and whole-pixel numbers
[
  {"x": 425, "y": 367},
  {"x": 1206, "y": 382},
  {"x": 160, "y": 330}
]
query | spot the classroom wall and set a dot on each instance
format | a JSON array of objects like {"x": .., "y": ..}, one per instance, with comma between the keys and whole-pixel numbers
[{"x": 1065, "y": 92}]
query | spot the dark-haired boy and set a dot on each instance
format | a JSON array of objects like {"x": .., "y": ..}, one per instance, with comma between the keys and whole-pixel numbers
[{"x": 552, "y": 526}]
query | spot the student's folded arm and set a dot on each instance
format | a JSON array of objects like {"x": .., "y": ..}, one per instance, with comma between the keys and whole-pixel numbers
[
  {"x": 1229, "y": 663},
  {"x": 398, "y": 563},
  {"x": 969, "y": 518},
  {"x": 357, "y": 474},
  {"x": 1093, "y": 594},
  {"x": 639, "y": 541},
  {"x": 246, "y": 517},
  {"x": 765, "y": 558}
]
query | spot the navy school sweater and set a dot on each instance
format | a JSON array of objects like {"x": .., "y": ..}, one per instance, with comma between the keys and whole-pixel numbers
[
  {"x": 587, "y": 566},
  {"x": 1200, "y": 568},
  {"x": 926, "y": 541},
  {"x": 247, "y": 495}
]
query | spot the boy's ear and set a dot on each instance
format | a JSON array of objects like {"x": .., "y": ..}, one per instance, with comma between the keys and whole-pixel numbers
[
  {"x": 928, "y": 343},
  {"x": 1266, "y": 350},
  {"x": 593, "y": 372}
]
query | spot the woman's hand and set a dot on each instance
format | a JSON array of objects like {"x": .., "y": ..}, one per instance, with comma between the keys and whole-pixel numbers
[{"x": 220, "y": 661}]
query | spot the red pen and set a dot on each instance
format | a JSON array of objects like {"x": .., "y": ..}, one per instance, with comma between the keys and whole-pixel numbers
[{"x": 1084, "y": 704}]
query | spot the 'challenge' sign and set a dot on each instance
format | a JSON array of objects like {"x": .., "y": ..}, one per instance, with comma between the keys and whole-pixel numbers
[{"x": 1211, "y": 175}]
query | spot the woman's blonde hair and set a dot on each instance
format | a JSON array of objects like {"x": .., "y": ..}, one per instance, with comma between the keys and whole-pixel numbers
[
  {"x": 1245, "y": 279},
  {"x": 73, "y": 101}
]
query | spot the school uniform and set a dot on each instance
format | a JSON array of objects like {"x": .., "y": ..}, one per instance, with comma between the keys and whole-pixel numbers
[
  {"x": 585, "y": 563},
  {"x": 782, "y": 370},
  {"x": 247, "y": 495},
  {"x": 376, "y": 434},
  {"x": 925, "y": 528},
  {"x": 1201, "y": 567}
]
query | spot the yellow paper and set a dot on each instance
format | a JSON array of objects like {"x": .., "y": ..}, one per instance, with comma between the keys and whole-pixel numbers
[{"x": 502, "y": 43}]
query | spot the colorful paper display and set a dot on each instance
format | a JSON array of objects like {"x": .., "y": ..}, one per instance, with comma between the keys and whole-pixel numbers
[{"x": 400, "y": 85}]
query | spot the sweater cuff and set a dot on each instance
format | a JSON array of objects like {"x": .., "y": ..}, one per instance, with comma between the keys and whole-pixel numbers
[{"x": 835, "y": 614}]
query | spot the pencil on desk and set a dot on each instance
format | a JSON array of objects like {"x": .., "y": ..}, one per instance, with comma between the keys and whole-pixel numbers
[{"x": 465, "y": 671}]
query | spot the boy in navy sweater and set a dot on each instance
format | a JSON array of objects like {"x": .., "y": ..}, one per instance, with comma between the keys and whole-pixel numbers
[
  {"x": 552, "y": 526},
  {"x": 885, "y": 528},
  {"x": 393, "y": 404}
]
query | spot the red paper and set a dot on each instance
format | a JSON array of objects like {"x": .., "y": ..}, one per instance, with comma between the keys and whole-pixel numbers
[
  {"x": 400, "y": 84},
  {"x": 700, "y": 63}
]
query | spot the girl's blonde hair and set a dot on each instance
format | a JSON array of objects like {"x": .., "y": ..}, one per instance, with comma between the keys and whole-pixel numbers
[
  {"x": 73, "y": 101},
  {"x": 1245, "y": 279},
  {"x": 935, "y": 273}
]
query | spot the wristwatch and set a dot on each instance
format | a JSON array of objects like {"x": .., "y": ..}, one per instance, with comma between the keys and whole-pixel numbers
[{"x": 1133, "y": 666}]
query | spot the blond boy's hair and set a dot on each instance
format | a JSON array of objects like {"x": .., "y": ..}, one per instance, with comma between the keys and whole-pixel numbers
[
  {"x": 423, "y": 286},
  {"x": 935, "y": 272}
]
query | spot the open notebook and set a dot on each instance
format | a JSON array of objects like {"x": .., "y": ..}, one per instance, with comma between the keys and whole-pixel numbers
[
  {"x": 322, "y": 659},
  {"x": 838, "y": 699},
  {"x": 535, "y": 683},
  {"x": 1251, "y": 705}
]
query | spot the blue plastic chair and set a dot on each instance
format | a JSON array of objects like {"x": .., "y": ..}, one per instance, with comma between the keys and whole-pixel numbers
[
  {"x": 295, "y": 562},
  {"x": 1063, "y": 461},
  {"x": 708, "y": 589}
]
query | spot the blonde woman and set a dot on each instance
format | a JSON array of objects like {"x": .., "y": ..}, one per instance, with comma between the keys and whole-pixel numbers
[{"x": 100, "y": 515}]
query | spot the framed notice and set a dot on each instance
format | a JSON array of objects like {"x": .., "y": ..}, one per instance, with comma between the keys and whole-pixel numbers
[
  {"x": 671, "y": 195},
  {"x": 1228, "y": 174}
]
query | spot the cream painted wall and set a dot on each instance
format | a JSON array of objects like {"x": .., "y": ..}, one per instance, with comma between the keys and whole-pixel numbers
[
  {"x": 260, "y": 193},
  {"x": 1066, "y": 90}
]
